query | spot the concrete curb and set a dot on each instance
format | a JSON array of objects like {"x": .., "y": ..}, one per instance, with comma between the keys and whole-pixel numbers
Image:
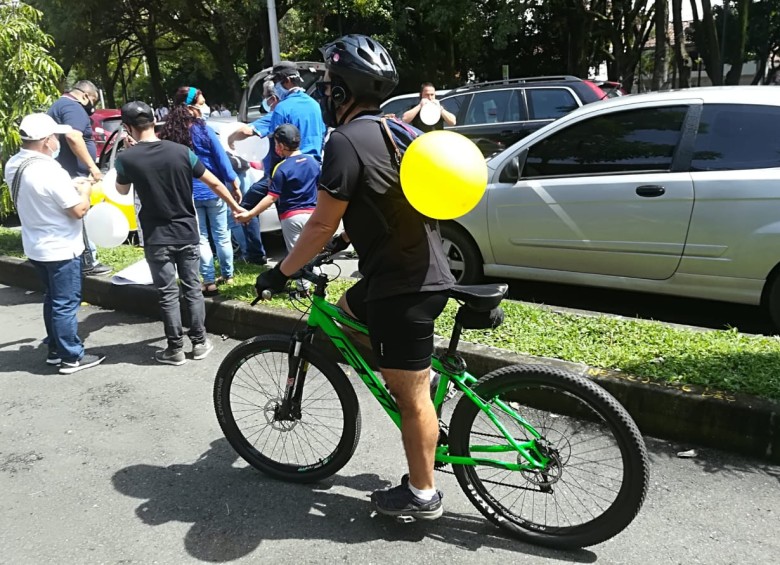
[{"x": 744, "y": 424}]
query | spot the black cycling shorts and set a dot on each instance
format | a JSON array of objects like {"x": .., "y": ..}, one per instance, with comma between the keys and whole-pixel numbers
[{"x": 400, "y": 327}]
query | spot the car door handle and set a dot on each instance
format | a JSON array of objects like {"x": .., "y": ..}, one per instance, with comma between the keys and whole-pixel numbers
[{"x": 650, "y": 190}]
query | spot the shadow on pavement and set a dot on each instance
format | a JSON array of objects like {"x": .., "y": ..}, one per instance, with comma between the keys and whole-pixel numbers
[
  {"x": 11, "y": 296},
  {"x": 233, "y": 510},
  {"x": 710, "y": 461}
]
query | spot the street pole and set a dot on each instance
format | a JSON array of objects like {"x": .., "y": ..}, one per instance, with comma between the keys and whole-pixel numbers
[{"x": 273, "y": 32}]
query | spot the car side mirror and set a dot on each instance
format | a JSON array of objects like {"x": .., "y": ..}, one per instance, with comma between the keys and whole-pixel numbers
[{"x": 513, "y": 169}]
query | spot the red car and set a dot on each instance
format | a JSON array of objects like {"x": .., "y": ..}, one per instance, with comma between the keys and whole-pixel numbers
[{"x": 104, "y": 123}]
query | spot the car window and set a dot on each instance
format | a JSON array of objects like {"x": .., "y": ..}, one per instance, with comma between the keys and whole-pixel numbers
[
  {"x": 488, "y": 107},
  {"x": 735, "y": 137},
  {"x": 549, "y": 103},
  {"x": 398, "y": 107},
  {"x": 453, "y": 104},
  {"x": 111, "y": 124},
  {"x": 619, "y": 142}
]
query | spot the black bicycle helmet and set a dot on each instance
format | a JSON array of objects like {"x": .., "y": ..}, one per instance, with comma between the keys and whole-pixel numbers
[{"x": 363, "y": 64}]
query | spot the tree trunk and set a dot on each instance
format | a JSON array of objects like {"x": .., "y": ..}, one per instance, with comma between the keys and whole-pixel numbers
[
  {"x": 661, "y": 22},
  {"x": 738, "y": 44},
  {"x": 681, "y": 59},
  {"x": 708, "y": 44}
]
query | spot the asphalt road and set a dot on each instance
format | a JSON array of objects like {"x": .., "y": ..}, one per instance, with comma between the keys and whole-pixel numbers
[{"x": 125, "y": 463}]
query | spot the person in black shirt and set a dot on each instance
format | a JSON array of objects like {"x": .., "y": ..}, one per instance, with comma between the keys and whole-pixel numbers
[
  {"x": 405, "y": 273},
  {"x": 428, "y": 96},
  {"x": 161, "y": 172}
]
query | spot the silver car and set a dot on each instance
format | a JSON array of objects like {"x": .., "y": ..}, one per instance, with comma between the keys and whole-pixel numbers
[{"x": 670, "y": 192}]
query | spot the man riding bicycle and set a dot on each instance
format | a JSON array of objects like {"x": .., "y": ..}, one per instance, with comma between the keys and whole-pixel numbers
[{"x": 405, "y": 273}]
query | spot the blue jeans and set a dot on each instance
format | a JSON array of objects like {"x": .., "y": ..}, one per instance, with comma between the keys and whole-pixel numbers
[
  {"x": 254, "y": 243},
  {"x": 216, "y": 212},
  {"x": 164, "y": 262},
  {"x": 62, "y": 297}
]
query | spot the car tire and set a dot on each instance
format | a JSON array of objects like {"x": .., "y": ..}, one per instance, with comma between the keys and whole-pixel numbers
[
  {"x": 462, "y": 254},
  {"x": 772, "y": 300}
]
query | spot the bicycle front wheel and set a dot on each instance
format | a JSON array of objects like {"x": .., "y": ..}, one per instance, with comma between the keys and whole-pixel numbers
[
  {"x": 598, "y": 473},
  {"x": 248, "y": 391}
]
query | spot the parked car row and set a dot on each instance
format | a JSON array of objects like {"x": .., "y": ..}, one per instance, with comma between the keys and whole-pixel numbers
[{"x": 672, "y": 192}]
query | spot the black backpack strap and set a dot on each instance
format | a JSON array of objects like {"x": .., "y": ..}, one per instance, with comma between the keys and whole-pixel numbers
[
  {"x": 382, "y": 121},
  {"x": 390, "y": 136},
  {"x": 17, "y": 181}
]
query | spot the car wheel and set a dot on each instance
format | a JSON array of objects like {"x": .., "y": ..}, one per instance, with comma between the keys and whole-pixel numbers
[
  {"x": 462, "y": 254},
  {"x": 772, "y": 300}
]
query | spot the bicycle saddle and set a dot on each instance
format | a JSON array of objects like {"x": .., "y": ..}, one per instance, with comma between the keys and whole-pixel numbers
[{"x": 480, "y": 297}]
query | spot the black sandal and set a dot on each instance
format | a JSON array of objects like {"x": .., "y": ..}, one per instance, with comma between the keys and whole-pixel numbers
[{"x": 210, "y": 289}]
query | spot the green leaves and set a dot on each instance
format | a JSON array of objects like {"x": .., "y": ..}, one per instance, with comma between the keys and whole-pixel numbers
[{"x": 28, "y": 81}]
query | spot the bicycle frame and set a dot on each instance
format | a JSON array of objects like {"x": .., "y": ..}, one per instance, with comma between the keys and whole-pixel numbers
[{"x": 325, "y": 316}]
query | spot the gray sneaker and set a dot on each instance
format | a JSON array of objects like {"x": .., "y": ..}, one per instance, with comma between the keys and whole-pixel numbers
[
  {"x": 170, "y": 356},
  {"x": 70, "y": 367},
  {"x": 201, "y": 350}
]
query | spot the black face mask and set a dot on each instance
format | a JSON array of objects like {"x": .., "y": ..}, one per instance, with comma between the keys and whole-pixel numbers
[
  {"x": 328, "y": 109},
  {"x": 89, "y": 108}
]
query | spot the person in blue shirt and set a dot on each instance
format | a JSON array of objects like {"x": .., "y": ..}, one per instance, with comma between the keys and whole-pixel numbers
[
  {"x": 79, "y": 154},
  {"x": 254, "y": 250},
  {"x": 185, "y": 125},
  {"x": 294, "y": 107},
  {"x": 293, "y": 187}
]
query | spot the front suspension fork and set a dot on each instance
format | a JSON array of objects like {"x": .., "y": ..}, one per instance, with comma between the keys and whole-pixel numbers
[{"x": 297, "y": 368}]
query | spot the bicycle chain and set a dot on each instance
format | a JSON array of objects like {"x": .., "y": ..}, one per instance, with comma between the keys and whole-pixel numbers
[{"x": 439, "y": 466}]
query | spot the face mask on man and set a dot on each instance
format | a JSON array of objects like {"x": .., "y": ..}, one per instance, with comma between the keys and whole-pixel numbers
[
  {"x": 89, "y": 107},
  {"x": 54, "y": 152},
  {"x": 328, "y": 109},
  {"x": 281, "y": 92}
]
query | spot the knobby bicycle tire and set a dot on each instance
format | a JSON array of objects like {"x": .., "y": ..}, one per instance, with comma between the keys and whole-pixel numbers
[
  {"x": 305, "y": 450},
  {"x": 599, "y": 474}
]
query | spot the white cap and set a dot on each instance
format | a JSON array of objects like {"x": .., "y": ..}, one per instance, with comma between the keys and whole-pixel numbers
[{"x": 40, "y": 126}]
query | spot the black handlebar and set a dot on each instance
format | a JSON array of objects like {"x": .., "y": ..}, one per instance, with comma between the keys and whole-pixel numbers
[{"x": 307, "y": 273}]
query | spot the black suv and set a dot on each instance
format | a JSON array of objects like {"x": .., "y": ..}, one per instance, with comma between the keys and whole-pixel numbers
[{"x": 496, "y": 114}]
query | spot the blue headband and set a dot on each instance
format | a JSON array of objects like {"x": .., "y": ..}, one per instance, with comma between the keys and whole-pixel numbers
[{"x": 191, "y": 95}]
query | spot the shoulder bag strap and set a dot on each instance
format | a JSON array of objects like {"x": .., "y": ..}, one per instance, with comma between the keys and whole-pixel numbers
[{"x": 17, "y": 182}]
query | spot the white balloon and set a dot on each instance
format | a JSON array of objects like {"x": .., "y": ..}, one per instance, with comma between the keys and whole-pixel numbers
[
  {"x": 252, "y": 148},
  {"x": 106, "y": 225},
  {"x": 109, "y": 189},
  {"x": 430, "y": 113}
]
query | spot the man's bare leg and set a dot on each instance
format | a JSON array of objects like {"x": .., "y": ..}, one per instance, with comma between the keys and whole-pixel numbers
[{"x": 419, "y": 424}]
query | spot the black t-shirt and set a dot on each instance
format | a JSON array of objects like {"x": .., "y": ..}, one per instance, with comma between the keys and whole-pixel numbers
[
  {"x": 399, "y": 249},
  {"x": 161, "y": 173},
  {"x": 425, "y": 128}
]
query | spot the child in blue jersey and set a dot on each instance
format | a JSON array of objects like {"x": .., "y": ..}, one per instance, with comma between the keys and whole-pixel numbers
[{"x": 293, "y": 185}]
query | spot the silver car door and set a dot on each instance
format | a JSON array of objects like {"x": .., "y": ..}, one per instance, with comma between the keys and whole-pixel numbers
[{"x": 598, "y": 197}]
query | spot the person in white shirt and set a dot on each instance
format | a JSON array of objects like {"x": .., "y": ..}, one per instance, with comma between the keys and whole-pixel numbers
[{"x": 50, "y": 208}]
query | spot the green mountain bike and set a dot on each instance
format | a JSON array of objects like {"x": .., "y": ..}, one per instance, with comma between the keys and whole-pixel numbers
[{"x": 549, "y": 456}]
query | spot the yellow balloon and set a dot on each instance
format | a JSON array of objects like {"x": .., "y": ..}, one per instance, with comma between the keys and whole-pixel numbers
[
  {"x": 443, "y": 174},
  {"x": 128, "y": 211},
  {"x": 97, "y": 195}
]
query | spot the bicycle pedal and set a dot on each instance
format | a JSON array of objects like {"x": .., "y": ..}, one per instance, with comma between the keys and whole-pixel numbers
[{"x": 405, "y": 519}]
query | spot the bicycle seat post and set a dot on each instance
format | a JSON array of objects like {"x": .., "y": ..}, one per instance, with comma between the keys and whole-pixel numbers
[{"x": 452, "y": 350}]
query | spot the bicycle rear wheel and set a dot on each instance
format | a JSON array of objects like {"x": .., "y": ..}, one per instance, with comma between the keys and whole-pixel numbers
[
  {"x": 598, "y": 473},
  {"x": 249, "y": 388}
]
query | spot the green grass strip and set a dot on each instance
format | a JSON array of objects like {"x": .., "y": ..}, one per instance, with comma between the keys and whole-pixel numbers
[{"x": 723, "y": 360}]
